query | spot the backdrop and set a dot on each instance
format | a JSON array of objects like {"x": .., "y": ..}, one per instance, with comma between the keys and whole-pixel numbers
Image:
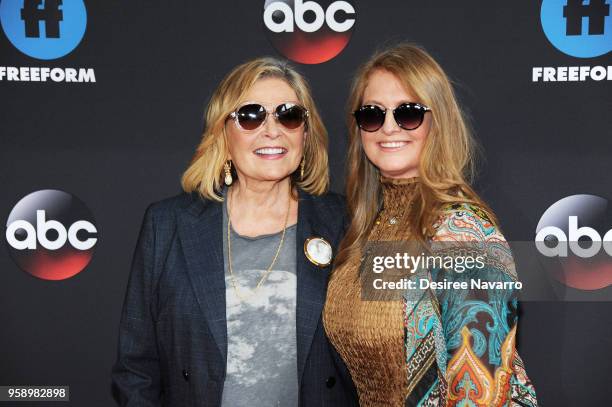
[{"x": 105, "y": 101}]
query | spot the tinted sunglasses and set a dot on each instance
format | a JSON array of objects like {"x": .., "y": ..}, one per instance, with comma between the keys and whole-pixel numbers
[
  {"x": 408, "y": 116},
  {"x": 252, "y": 115}
]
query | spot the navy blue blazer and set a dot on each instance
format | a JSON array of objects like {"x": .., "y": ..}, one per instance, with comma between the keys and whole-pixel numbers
[{"x": 172, "y": 347}]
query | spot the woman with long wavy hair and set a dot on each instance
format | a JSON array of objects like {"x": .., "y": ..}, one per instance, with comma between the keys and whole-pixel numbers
[{"x": 410, "y": 160}]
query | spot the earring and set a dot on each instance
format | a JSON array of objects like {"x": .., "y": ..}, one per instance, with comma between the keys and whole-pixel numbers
[
  {"x": 302, "y": 169},
  {"x": 228, "y": 173}
]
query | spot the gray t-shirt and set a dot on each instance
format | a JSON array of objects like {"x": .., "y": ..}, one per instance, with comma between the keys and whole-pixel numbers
[{"x": 261, "y": 327}]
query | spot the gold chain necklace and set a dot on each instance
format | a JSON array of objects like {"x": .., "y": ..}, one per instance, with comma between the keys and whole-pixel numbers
[{"x": 229, "y": 252}]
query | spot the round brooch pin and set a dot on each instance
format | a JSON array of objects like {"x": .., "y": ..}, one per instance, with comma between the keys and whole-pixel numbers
[{"x": 318, "y": 251}]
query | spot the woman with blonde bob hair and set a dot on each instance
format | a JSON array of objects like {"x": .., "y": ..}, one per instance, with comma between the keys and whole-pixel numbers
[
  {"x": 224, "y": 300},
  {"x": 206, "y": 172},
  {"x": 426, "y": 341}
]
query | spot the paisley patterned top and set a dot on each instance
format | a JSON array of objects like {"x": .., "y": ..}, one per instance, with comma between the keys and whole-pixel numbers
[
  {"x": 457, "y": 346},
  {"x": 472, "y": 331}
]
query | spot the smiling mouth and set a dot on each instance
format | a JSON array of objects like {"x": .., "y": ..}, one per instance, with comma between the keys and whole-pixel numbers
[
  {"x": 393, "y": 144},
  {"x": 270, "y": 151}
]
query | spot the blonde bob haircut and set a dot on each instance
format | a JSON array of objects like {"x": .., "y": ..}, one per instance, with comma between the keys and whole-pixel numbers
[
  {"x": 205, "y": 173},
  {"x": 446, "y": 164}
]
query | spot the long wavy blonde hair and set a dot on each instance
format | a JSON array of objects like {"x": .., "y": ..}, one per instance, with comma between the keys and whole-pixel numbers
[
  {"x": 205, "y": 173},
  {"x": 446, "y": 164}
]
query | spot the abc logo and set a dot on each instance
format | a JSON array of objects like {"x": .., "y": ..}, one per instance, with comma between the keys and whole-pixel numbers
[
  {"x": 51, "y": 234},
  {"x": 309, "y": 32},
  {"x": 40, "y": 232},
  {"x": 558, "y": 228},
  {"x": 578, "y": 28},
  {"x": 577, "y": 232},
  {"x": 574, "y": 235},
  {"x": 44, "y": 29}
]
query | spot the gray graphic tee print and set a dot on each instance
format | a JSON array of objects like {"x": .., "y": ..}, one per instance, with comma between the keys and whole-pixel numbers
[{"x": 261, "y": 327}]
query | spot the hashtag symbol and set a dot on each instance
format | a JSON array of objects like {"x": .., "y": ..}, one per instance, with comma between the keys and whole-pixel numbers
[
  {"x": 596, "y": 12},
  {"x": 51, "y": 14}
]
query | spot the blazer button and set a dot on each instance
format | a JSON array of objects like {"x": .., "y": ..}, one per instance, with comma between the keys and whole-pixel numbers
[
  {"x": 185, "y": 375},
  {"x": 330, "y": 382}
]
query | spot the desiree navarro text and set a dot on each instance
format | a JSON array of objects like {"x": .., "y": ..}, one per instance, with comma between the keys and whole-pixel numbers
[{"x": 426, "y": 284}]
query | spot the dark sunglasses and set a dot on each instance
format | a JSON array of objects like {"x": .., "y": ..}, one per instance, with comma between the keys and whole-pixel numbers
[
  {"x": 408, "y": 116},
  {"x": 253, "y": 115}
]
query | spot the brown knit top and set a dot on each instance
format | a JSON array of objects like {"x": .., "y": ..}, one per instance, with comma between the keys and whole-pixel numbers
[{"x": 369, "y": 335}]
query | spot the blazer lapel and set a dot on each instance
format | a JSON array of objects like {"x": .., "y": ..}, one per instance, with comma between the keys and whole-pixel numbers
[
  {"x": 201, "y": 233},
  {"x": 311, "y": 282}
]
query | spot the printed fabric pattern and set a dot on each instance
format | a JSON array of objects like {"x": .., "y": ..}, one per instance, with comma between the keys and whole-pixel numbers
[{"x": 460, "y": 344}]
